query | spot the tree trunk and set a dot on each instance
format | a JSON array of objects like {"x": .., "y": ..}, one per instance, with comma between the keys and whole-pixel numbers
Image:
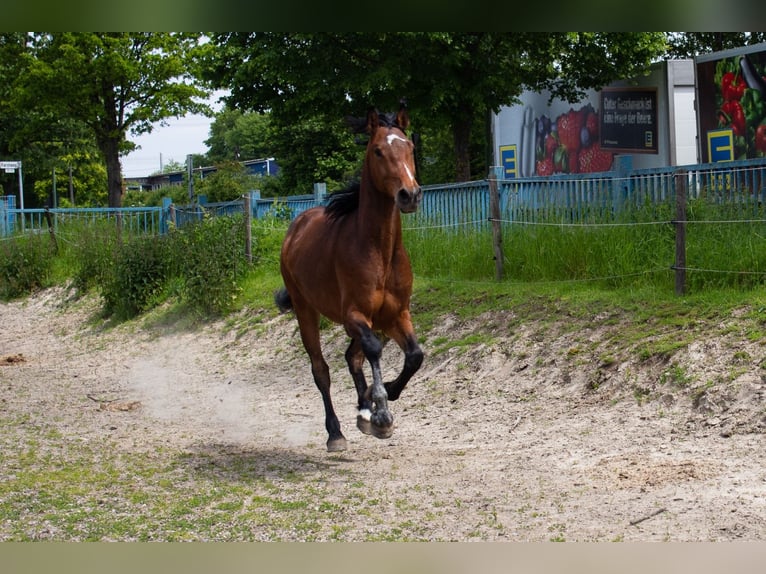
[
  {"x": 462, "y": 136},
  {"x": 110, "y": 149}
]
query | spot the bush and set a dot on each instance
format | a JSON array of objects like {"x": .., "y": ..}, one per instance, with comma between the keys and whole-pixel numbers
[
  {"x": 210, "y": 260},
  {"x": 229, "y": 182},
  {"x": 139, "y": 273},
  {"x": 25, "y": 264},
  {"x": 94, "y": 254}
]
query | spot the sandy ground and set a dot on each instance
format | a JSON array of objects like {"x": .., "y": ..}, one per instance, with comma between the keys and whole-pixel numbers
[{"x": 529, "y": 436}]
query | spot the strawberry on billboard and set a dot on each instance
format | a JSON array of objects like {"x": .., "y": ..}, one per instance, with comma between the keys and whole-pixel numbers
[
  {"x": 569, "y": 143},
  {"x": 731, "y": 96}
]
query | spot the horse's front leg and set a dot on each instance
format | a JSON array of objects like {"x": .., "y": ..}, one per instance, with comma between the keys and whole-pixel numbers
[
  {"x": 355, "y": 359},
  {"x": 413, "y": 359},
  {"x": 382, "y": 421}
]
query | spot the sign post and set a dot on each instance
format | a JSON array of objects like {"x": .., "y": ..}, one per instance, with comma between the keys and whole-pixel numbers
[{"x": 10, "y": 167}]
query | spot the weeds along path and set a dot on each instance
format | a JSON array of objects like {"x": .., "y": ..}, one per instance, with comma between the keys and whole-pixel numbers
[{"x": 156, "y": 431}]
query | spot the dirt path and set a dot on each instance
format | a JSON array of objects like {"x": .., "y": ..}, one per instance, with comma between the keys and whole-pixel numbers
[{"x": 526, "y": 438}]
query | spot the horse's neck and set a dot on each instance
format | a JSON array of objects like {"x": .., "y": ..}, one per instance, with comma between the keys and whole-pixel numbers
[{"x": 378, "y": 219}]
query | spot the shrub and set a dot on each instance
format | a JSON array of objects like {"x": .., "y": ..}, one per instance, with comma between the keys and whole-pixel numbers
[
  {"x": 25, "y": 264},
  {"x": 94, "y": 254},
  {"x": 210, "y": 259},
  {"x": 139, "y": 273},
  {"x": 228, "y": 183}
]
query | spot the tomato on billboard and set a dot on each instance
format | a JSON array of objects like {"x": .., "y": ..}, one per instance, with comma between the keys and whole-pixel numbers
[{"x": 731, "y": 95}]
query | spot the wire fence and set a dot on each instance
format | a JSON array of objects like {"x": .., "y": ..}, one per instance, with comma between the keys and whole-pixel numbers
[{"x": 732, "y": 194}]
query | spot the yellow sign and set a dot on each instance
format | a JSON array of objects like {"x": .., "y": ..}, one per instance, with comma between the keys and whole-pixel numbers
[
  {"x": 720, "y": 145},
  {"x": 508, "y": 158}
]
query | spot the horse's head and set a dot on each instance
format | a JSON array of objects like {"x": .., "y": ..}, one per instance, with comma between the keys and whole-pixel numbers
[{"x": 390, "y": 158}]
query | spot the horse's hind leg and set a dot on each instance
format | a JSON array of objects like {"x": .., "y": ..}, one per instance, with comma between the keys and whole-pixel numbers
[
  {"x": 355, "y": 359},
  {"x": 308, "y": 323}
]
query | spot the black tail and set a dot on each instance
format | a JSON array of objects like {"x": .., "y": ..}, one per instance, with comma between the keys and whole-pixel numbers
[{"x": 283, "y": 301}]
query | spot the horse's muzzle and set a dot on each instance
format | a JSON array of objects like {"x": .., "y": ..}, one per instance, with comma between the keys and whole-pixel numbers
[{"x": 408, "y": 200}]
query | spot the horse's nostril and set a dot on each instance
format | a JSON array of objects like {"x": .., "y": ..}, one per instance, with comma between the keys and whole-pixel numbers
[
  {"x": 407, "y": 196},
  {"x": 408, "y": 200}
]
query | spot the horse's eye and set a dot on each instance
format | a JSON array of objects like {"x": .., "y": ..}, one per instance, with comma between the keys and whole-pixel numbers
[{"x": 378, "y": 152}]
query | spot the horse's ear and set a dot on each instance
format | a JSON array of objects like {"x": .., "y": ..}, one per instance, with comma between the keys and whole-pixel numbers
[
  {"x": 403, "y": 116},
  {"x": 372, "y": 120}
]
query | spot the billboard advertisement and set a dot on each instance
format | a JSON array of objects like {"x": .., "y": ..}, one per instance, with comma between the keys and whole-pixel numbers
[
  {"x": 731, "y": 98},
  {"x": 650, "y": 118}
]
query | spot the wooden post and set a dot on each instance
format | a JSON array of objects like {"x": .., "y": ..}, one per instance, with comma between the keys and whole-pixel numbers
[
  {"x": 494, "y": 215},
  {"x": 248, "y": 228},
  {"x": 51, "y": 230},
  {"x": 680, "y": 223}
]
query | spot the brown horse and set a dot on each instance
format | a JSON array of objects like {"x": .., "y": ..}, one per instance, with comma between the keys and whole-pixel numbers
[{"x": 346, "y": 261}]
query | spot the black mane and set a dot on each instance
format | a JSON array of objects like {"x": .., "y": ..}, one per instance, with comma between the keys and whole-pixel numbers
[
  {"x": 385, "y": 119},
  {"x": 343, "y": 202}
]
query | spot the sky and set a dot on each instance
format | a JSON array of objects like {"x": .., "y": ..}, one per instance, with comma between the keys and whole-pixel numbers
[
  {"x": 164, "y": 144},
  {"x": 173, "y": 142}
]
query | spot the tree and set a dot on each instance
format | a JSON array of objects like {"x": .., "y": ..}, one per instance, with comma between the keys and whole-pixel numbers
[
  {"x": 80, "y": 180},
  {"x": 690, "y": 44},
  {"x": 229, "y": 182},
  {"x": 115, "y": 84},
  {"x": 449, "y": 78},
  {"x": 238, "y": 136}
]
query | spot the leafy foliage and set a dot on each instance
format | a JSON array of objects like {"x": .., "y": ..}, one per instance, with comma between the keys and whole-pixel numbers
[
  {"x": 237, "y": 135},
  {"x": 113, "y": 84},
  {"x": 690, "y": 44},
  {"x": 201, "y": 264},
  {"x": 94, "y": 253},
  {"x": 139, "y": 271},
  {"x": 25, "y": 264},
  {"x": 449, "y": 78},
  {"x": 229, "y": 182},
  {"x": 210, "y": 260}
]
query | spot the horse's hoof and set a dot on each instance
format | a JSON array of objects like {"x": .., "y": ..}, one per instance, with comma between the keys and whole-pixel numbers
[
  {"x": 382, "y": 432},
  {"x": 336, "y": 444},
  {"x": 363, "y": 424},
  {"x": 382, "y": 419}
]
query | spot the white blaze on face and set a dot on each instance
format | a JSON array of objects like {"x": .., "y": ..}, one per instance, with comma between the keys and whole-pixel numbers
[
  {"x": 391, "y": 138},
  {"x": 409, "y": 174}
]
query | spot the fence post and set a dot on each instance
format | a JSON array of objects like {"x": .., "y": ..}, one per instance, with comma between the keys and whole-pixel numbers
[
  {"x": 51, "y": 232},
  {"x": 248, "y": 228},
  {"x": 3, "y": 218},
  {"x": 680, "y": 223},
  {"x": 167, "y": 214},
  {"x": 320, "y": 190},
  {"x": 494, "y": 215},
  {"x": 623, "y": 165}
]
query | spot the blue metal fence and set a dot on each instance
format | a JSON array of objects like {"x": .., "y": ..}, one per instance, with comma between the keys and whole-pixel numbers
[{"x": 565, "y": 198}]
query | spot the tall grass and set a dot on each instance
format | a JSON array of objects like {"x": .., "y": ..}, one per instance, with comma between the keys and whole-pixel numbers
[
  {"x": 726, "y": 244},
  {"x": 636, "y": 248},
  {"x": 25, "y": 264},
  {"x": 204, "y": 264}
]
